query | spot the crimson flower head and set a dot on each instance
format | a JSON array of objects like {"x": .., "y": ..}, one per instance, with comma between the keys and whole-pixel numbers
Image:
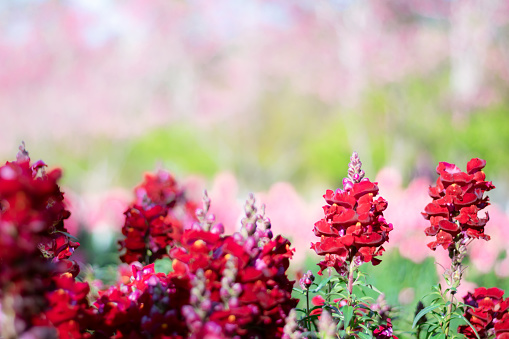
[
  {"x": 353, "y": 228},
  {"x": 154, "y": 221},
  {"x": 488, "y": 314},
  {"x": 457, "y": 198},
  {"x": 34, "y": 243},
  {"x": 240, "y": 287},
  {"x": 148, "y": 306}
]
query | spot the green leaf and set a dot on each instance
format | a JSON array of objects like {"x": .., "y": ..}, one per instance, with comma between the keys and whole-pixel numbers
[
  {"x": 347, "y": 311},
  {"x": 433, "y": 328},
  {"x": 364, "y": 335},
  {"x": 373, "y": 288},
  {"x": 68, "y": 235},
  {"x": 309, "y": 334},
  {"x": 298, "y": 290},
  {"x": 424, "y": 312},
  {"x": 322, "y": 284},
  {"x": 365, "y": 327},
  {"x": 163, "y": 265}
]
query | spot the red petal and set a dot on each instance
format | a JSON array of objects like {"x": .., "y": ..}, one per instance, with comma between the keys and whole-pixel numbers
[
  {"x": 364, "y": 187},
  {"x": 449, "y": 227},
  {"x": 475, "y": 165},
  {"x": 348, "y": 217},
  {"x": 434, "y": 209}
]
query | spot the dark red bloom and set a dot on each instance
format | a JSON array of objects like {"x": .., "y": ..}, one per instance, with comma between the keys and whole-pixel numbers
[
  {"x": 251, "y": 294},
  {"x": 240, "y": 282},
  {"x": 457, "y": 199},
  {"x": 489, "y": 313},
  {"x": 34, "y": 243},
  {"x": 353, "y": 227},
  {"x": 155, "y": 220},
  {"x": 384, "y": 331},
  {"x": 147, "y": 307},
  {"x": 68, "y": 308}
]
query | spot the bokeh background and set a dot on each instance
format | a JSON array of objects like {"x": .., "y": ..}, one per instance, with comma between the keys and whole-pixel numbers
[{"x": 272, "y": 97}]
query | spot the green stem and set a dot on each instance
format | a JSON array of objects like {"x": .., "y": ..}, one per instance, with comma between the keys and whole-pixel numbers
[
  {"x": 329, "y": 286},
  {"x": 449, "y": 315},
  {"x": 350, "y": 279},
  {"x": 307, "y": 308}
]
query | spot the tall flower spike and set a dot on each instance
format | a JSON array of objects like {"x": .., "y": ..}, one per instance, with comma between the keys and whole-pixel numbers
[
  {"x": 457, "y": 199},
  {"x": 353, "y": 228}
]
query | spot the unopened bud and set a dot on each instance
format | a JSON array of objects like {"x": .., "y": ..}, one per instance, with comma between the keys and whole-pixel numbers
[
  {"x": 250, "y": 228},
  {"x": 217, "y": 229},
  {"x": 233, "y": 302}
]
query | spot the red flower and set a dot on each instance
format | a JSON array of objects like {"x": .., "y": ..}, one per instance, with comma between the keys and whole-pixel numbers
[
  {"x": 353, "y": 227},
  {"x": 457, "y": 199},
  {"x": 240, "y": 283},
  {"x": 34, "y": 244},
  {"x": 489, "y": 313},
  {"x": 384, "y": 331},
  {"x": 68, "y": 308},
  {"x": 149, "y": 306},
  {"x": 155, "y": 219}
]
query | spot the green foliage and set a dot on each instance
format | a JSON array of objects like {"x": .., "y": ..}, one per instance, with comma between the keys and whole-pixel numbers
[
  {"x": 163, "y": 265},
  {"x": 353, "y": 313},
  {"x": 442, "y": 316}
]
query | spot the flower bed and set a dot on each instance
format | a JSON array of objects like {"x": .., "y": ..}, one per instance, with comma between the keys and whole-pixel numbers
[{"x": 218, "y": 285}]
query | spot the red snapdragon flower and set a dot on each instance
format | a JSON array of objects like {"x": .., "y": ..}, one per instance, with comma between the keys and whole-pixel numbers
[
  {"x": 240, "y": 283},
  {"x": 246, "y": 291},
  {"x": 68, "y": 309},
  {"x": 457, "y": 199},
  {"x": 489, "y": 313},
  {"x": 353, "y": 227},
  {"x": 34, "y": 243},
  {"x": 148, "y": 306},
  {"x": 155, "y": 219},
  {"x": 384, "y": 331}
]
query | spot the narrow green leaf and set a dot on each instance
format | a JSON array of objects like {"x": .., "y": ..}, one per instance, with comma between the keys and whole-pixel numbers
[
  {"x": 424, "y": 312},
  {"x": 298, "y": 290},
  {"x": 461, "y": 316},
  {"x": 322, "y": 284},
  {"x": 364, "y": 335},
  {"x": 347, "y": 314},
  {"x": 68, "y": 235}
]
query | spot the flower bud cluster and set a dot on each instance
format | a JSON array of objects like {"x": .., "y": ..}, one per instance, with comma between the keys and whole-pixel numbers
[
  {"x": 256, "y": 225},
  {"x": 353, "y": 228},
  {"x": 307, "y": 280},
  {"x": 457, "y": 199},
  {"x": 230, "y": 290}
]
